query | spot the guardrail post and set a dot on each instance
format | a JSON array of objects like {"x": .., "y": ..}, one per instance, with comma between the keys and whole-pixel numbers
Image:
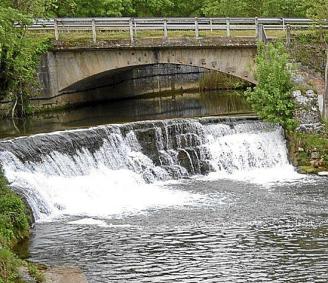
[
  {"x": 94, "y": 34},
  {"x": 257, "y": 27},
  {"x": 283, "y": 24},
  {"x": 211, "y": 25},
  {"x": 196, "y": 28},
  {"x": 288, "y": 36},
  {"x": 165, "y": 29},
  {"x": 261, "y": 33},
  {"x": 135, "y": 28},
  {"x": 56, "y": 29},
  {"x": 131, "y": 30},
  {"x": 228, "y": 26}
]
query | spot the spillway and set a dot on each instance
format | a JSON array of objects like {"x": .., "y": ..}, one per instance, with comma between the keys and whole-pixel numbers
[{"x": 111, "y": 169}]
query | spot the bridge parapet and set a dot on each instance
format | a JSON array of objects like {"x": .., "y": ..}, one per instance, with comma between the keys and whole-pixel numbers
[{"x": 163, "y": 27}]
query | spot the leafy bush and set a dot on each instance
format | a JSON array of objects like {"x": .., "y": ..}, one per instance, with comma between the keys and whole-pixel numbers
[
  {"x": 14, "y": 226},
  {"x": 271, "y": 98},
  {"x": 14, "y": 222}
]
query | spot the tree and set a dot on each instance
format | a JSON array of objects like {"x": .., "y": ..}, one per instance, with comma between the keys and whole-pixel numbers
[
  {"x": 32, "y": 8},
  {"x": 255, "y": 8},
  {"x": 187, "y": 8},
  {"x": 109, "y": 8},
  {"x": 155, "y": 8},
  {"x": 19, "y": 56}
]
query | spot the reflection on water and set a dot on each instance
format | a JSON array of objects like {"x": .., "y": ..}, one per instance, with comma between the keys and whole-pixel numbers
[
  {"x": 183, "y": 105},
  {"x": 239, "y": 232}
]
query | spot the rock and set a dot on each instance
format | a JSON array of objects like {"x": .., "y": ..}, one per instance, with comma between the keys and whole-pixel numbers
[
  {"x": 307, "y": 111},
  {"x": 65, "y": 275},
  {"x": 185, "y": 161},
  {"x": 24, "y": 274},
  {"x": 323, "y": 173},
  {"x": 298, "y": 79},
  {"x": 315, "y": 155},
  {"x": 310, "y": 93},
  {"x": 296, "y": 93},
  {"x": 300, "y": 149},
  {"x": 314, "y": 163},
  {"x": 310, "y": 128},
  {"x": 303, "y": 100}
]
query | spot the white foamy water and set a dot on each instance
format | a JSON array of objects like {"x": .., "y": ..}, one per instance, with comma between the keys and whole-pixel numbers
[
  {"x": 100, "y": 193},
  {"x": 117, "y": 169}
]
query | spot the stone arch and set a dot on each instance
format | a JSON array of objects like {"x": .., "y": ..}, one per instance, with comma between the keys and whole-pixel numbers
[{"x": 71, "y": 66}]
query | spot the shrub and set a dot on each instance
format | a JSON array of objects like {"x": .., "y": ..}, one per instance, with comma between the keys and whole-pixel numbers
[
  {"x": 14, "y": 226},
  {"x": 271, "y": 98}
]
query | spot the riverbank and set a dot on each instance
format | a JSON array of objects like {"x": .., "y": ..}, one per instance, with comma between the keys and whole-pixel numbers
[
  {"x": 309, "y": 151},
  {"x": 15, "y": 220}
]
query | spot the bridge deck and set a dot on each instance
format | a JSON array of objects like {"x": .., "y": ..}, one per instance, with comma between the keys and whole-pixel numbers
[{"x": 151, "y": 43}]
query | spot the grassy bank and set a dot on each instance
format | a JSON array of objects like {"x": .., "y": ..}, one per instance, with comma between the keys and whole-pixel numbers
[
  {"x": 14, "y": 227},
  {"x": 309, "y": 152}
]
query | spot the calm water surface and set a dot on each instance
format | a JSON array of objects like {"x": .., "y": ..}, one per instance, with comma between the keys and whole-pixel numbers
[
  {"x": 235, "y": 232},
  {"x": 185, "y": 105}
]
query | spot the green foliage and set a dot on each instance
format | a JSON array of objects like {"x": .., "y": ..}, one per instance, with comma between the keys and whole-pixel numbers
[
  {"x": 32, "y": 8},
  {"x": 271, "y": 98},
  {"x": 19, "y": 57},
  {"x": 140, "y": 8},
  {"x": 9, "y": 264},
  {"x": 255, "y": 8},
  {"x": 215, "y": 8},
  {"x": 14, "y": 222},
  {"x": 303, "y": 144},
  {"x": 318, "y": 9},
  {"x": 14, "y": 226},
  {"x": 224, "y": 8}
]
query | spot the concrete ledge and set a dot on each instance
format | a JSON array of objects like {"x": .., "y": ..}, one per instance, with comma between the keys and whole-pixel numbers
[{"x": 150, "y": 43}]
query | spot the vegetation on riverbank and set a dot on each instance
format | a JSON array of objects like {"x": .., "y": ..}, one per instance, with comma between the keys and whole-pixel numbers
[
  {"x": 14, "y": 227},
  {"x": 273, "y": 101},
  {"x": 309, "y": 151},
  {"x": 19, "y": 58}
]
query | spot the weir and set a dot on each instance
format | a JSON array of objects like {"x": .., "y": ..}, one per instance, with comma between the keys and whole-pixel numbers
[{"x": 80, "y": 172}]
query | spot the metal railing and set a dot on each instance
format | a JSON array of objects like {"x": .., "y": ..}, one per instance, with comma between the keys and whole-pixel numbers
[{"x": 132, "y": 25}]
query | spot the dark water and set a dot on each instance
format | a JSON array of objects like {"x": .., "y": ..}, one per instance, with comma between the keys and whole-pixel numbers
[
  {"x": 184, "y": 105},
  {"x": 235, "y": 232}
]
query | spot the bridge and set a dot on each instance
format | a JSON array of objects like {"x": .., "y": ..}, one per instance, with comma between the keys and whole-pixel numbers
[
  {"x": 84, "y": 72},
  {"x": 73, "y": 75}
]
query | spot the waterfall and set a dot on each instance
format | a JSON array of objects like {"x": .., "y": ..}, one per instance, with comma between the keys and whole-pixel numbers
[{"x": 113, "y": 168}]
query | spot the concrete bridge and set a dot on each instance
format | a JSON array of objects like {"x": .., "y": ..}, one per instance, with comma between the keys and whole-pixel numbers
[{"x": 78, "y": 75}]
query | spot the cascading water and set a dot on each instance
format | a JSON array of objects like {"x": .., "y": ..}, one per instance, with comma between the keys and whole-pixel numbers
[{"x": 116, "y": 168}]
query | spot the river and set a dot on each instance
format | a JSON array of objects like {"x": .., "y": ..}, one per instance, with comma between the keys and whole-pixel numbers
[{"x": 211, "y": 199}]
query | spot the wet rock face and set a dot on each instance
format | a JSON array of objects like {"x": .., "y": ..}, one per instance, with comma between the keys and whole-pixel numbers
[
  {"x": 307, "y": 111},
  {"x": 181, "y": 144}
]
